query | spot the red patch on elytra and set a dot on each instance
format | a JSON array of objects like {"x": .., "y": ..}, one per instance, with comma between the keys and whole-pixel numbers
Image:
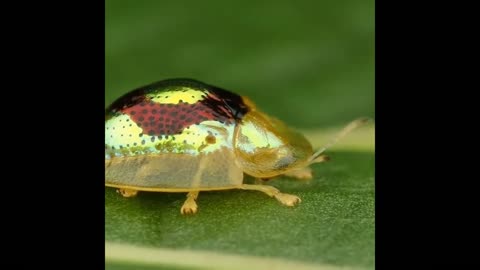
[{"x": 157, "y": 119}]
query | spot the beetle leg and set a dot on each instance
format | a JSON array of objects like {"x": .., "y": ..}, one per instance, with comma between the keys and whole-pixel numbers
[
  {"x": 321, "y": 158},
  {"x": 306, "y": 172},
  {"x": 261, "y": 181},
  {"x": 303, "y": 173},
  {"x": 127, "y": 193},
  {"x": 190, "y": 206},
  {"x": 286, "y": 199}
]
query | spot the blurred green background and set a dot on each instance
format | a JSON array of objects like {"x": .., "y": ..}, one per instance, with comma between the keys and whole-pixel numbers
[{"x": 311, "y": 64}]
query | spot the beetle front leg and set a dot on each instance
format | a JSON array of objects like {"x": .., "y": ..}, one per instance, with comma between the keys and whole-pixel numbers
[
  {"x": 306, "y": 172},
  {"x": 303, "y": 173},
  {"x": 284, "y": 198},
  {"x": 190, "y": 206}
]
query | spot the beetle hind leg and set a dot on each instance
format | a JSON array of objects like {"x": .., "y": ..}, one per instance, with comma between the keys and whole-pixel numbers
[
  {"x": 284, "y": 198},
  {"x": 127, "y": 193},
  {"x": 190, "y": 205}
]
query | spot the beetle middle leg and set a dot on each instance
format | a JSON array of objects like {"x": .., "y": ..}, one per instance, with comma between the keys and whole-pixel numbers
[
  {"x": 284, "y": 198},
  {"x": 190, "y": 206}
]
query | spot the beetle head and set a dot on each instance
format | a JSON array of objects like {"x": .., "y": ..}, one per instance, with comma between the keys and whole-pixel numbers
[{"x": 266, "y": 147}]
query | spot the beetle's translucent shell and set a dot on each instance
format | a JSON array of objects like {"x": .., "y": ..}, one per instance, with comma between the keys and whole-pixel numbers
[{"x": 175, "y": 135}]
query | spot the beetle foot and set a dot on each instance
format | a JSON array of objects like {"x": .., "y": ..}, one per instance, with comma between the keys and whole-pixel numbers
[
  {"x": 287, "y": 199},
  {"x": 190, "y": 207},
  {"x": 127, "y": 193},
  {"x": 284, "y": 198}
]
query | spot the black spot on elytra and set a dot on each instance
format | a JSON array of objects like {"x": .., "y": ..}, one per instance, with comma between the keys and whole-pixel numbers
[
  {"x": 151, "y": 118},
  {"x": 141, "y": 118}
]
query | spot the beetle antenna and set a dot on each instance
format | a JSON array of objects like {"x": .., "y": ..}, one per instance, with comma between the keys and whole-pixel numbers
[{"x": 347, "y": 129}]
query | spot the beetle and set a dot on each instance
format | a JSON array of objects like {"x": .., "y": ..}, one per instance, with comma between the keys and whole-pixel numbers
[{"x": 183, "y": 135}]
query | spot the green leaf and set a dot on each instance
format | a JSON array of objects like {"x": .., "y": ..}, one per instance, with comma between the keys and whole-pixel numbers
[{"x": 333, "y": 226}]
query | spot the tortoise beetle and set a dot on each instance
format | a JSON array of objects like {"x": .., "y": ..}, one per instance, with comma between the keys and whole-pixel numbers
[{"x": 183, "y": 135}]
